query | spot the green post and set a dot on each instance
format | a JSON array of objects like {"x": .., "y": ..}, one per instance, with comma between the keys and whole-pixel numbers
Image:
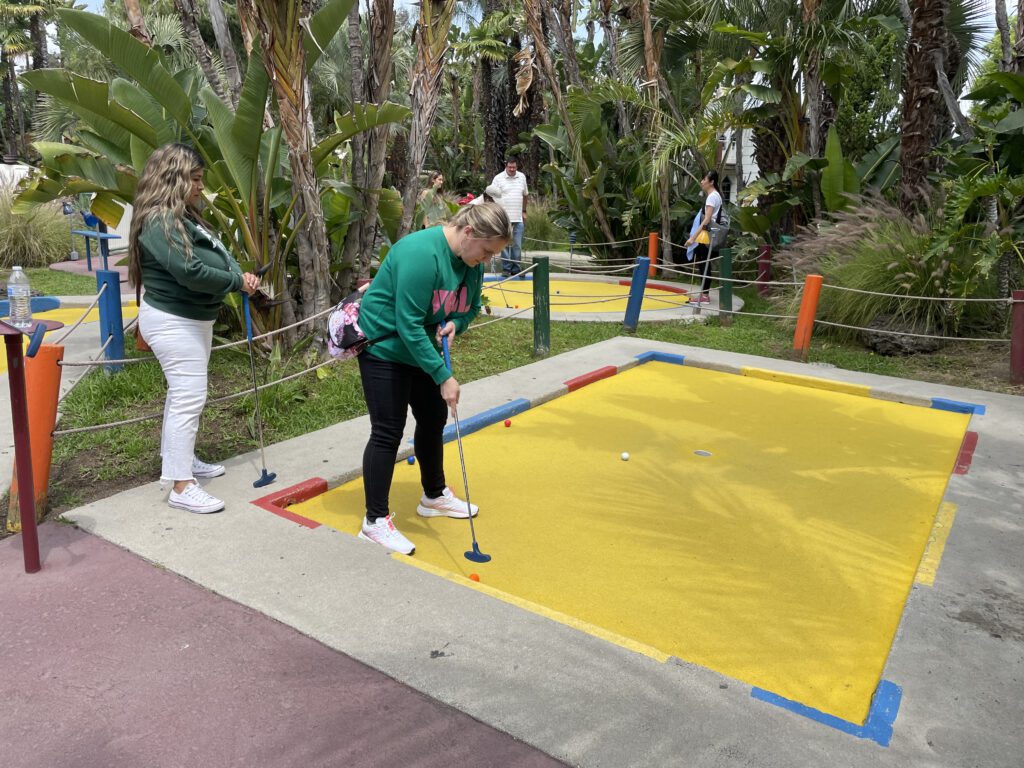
[
  {"x": 725, "y": 291},
  {"x": 541, "y": 307}
]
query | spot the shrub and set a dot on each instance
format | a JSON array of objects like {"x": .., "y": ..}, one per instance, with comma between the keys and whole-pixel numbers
[
  {"x": 540, "y": 232},
  {"x": 35, "y": 239},
  {"x": 875, "y": 248}
]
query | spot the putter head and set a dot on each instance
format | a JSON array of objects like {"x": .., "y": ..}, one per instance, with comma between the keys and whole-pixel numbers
[
  {"x": 265, "y": 479},
  {"x": 476, "y": 555}
]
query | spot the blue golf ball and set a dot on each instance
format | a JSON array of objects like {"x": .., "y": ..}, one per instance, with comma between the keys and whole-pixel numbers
[{"x": 411, "y": 460}]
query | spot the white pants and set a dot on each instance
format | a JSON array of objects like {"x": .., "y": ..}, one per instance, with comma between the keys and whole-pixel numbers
[{"x": 183, "y": 348}]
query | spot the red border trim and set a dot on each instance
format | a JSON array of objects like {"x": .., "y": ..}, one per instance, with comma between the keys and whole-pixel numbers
[
  {"x": 963, "y": 461},
  {"x": 279, "y": 501},
  {"x": 590, "y": 378},
  {"x": 653, "y": 286}
]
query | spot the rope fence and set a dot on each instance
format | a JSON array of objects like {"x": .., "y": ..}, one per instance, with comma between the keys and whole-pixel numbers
[{"x": 69, "y": 331}]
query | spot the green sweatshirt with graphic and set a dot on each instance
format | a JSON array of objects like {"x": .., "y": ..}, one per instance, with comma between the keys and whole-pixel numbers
[
  {"x": 420, "y": 285},
  {"x": 194, "y": 289}
]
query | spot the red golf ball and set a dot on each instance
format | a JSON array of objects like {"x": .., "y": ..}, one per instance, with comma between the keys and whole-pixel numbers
[{"x": 508, "y": 422}]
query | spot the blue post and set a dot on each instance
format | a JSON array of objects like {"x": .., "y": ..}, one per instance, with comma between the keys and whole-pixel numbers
[
  {"x": 636, "y": 294},
  {"x": 110, "y": 317}
]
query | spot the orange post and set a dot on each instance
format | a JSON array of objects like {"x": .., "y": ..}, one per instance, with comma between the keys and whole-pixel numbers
[
  {"x": 652, "y": 253},
  {"x": 805, "y": 318},
  {"x": 42, "y": 385}
]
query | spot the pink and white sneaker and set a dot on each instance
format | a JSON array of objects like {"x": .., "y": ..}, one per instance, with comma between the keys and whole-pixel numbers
[
  {"x": 445, "y": 505},
  {"x": 382, "y": 531}
]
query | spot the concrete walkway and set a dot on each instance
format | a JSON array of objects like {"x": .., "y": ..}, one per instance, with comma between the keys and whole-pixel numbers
[
  {"x": 958, "y": 655},
  {"x": 111, "y": 661}
]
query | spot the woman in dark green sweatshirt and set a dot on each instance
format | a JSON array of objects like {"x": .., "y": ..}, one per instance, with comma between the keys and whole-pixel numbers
[
  {"x": 187, "y": 272},
  {"x": 428, "y": 287}
]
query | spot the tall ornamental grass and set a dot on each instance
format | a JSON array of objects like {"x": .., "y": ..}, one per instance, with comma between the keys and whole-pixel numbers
[{"x": 35, "y": 239}]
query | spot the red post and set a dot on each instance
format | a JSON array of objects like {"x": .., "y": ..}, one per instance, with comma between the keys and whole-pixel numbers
[
  {"x": 805, "y": 318},
  {"x": 652, "y": 253},
  {"x": 22, "y": 451},
  {"x": 764, "y": 270},
  {"x": 1017, "y": 339}
]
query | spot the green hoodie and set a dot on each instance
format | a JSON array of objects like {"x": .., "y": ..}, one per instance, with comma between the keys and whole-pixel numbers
[
  {"x": 194, "y": 289},
  {"x": 416, "y": 289}
]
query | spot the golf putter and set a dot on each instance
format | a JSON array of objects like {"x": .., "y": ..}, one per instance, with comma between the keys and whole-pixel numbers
[
  {"x": 475, "y": 554},
  {"x": 265, "y": 478}
]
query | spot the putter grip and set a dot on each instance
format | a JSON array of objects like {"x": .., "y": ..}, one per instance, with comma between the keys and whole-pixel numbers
[
  {"x": 248, "y": 317},
  {"x": 447, "y": 352}
]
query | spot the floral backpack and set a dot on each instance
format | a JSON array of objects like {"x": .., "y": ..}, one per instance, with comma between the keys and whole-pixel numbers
[{"x": 345, "y": 339}]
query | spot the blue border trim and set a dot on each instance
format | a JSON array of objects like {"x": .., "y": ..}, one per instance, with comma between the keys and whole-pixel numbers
[
  {"x": 956, "y": 406},
  {"x": 661, "y": 357},
  {"x": 878, "y": 727},
  {"x": 486, "y": 418}
]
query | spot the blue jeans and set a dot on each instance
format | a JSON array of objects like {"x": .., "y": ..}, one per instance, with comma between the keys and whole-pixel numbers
[{"x": 511, "y": 257}]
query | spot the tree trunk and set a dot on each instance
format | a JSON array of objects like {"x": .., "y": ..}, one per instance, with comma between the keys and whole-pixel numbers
[
  {"x": 350, "y": 263},
  {"x": 923, "y": 109},
  {"x": 493, "y": 108},
  {"x": 611, "y": 38},
  {"x": 136, "y": 23},
  {"x": 10, "y": 94},
  {"x": 1005, "y": 43},
  {"x": 740, "y": 170},
  {"x": 37, "y": 30},
  {"x": 533, "y": 19},
  {"x": 226, "y": 48},
  {"x": 187, "y": 15},
  {"x": 560, "y": 12},
  {"x": 382, "y": 32},
  {"x": 424, "y": 92},
  {"x": 1018, "y": 46}
]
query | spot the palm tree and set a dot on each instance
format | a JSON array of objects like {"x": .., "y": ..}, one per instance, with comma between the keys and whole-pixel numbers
[
  {"x": 14, "y": 42},
  {"x": 279, "y": 24},
  {"x": 425, "y": 89},
  {"x": 923, "y": 109},
  {"x": 226, "y": 48}
]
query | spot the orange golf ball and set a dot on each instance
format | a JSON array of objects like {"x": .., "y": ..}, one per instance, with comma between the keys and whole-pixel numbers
[{"x": 474, "y": 577}]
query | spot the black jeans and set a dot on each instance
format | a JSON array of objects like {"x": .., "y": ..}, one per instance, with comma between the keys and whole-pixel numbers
[
  {"x": 702, "y": 266},
  {"x": 390, "y": 389}
]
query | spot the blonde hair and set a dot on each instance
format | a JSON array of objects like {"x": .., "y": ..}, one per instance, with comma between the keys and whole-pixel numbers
[
  {"x": 487, "y": 220},
  {"x": 162, "y": 195}
]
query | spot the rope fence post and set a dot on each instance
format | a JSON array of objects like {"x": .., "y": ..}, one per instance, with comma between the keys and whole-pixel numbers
[
  {"x": 725, "y": 289},
  {"x": 636, "y": 293},
  {"x": 1017, "y": 338},
  {"x": 111, "y": 328},
  {"x": 764, "y": 270},
  {"x": 652, "y": 253},
  {"x": 22, "y": 446},
  {"x": 572, "y": 245},
  {"x": 805, "y": 318},
  {"x": 541, "y": 307}
]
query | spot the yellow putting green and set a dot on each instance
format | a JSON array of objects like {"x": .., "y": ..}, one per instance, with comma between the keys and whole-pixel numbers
[
  {"x": 68, "y": 317},
  {"x": 765, "y": 530},
  {"x": 581, "y": 296}
]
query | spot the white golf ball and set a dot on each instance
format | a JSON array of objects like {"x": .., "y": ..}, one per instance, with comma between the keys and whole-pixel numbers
[{"x": 625, "y": 456}]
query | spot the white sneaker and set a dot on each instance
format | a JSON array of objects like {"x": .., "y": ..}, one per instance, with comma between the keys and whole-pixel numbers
[
  {"x": 202, "y": 469},
  {"x": 445, "y": 505},
  {"x": 195, "y": 499},
  {"x": 382, "y": 531}
]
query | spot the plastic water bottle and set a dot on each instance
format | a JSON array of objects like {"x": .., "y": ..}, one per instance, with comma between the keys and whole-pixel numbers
[{"x": 19, "y": 299}]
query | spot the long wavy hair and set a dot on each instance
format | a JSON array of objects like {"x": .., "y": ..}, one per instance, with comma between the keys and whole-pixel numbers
[{"x": 162, "y": 195}]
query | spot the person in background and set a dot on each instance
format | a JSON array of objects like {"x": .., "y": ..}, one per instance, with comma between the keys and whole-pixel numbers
[
  {"x": 427, "y": 288},
  {"x": 432, "y": 202},
  {"x": 187, "y": 273},
  {"x": 702, "y": 253},
  {"x": 514, "y": 195}
]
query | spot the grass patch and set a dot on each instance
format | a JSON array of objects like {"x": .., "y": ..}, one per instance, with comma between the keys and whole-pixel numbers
[
  {"x": 53, "y": 282},
  {"x": 94, "y": 465}
]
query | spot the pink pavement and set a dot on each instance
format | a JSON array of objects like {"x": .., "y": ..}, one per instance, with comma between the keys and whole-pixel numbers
[{"x": 107, "y": 660}]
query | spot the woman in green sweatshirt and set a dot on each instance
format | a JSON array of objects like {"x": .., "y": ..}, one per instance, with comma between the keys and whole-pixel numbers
[
  {"x": 428, "y": 287},
  {"x": 187, "y": 272}
]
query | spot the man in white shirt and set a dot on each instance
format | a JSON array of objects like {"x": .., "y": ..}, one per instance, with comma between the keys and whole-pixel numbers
[{"x": 514, "y": 193}]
